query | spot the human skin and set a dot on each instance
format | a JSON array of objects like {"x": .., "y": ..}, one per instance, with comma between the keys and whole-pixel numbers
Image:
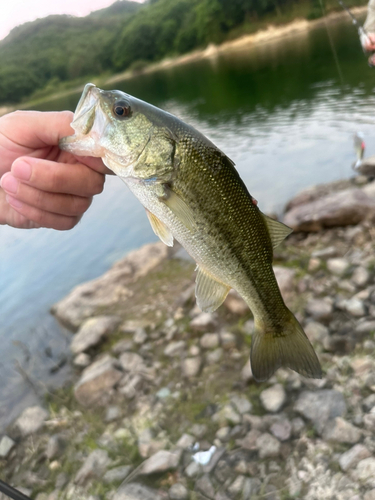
[{"x": 42, "y": 186}]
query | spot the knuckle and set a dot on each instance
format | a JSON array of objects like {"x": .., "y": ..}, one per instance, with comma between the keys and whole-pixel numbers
[
  {"x": 99, "y": 184},
  {"x": 79, "y": 205}
]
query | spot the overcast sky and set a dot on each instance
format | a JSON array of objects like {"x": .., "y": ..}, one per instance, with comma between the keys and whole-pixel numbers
[{"x": 15, "y": 12}]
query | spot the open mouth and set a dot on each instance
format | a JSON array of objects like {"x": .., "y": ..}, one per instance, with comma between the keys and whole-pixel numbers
[{"x": 84, "y": 115}]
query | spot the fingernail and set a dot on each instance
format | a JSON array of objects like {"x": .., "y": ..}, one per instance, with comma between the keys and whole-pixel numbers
[
  {"x": 14, "y": 202},
  {"x": 22, "y": 170},
  {"x": 9, "y": 183}
]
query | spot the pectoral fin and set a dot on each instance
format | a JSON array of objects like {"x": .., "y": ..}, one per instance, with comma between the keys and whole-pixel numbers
[
  {"x": 160, "y": 229},
  {"x": 209, "y": 292},
  {"x": 277, "y": 230},
  {"x": 180, "y": 209}
]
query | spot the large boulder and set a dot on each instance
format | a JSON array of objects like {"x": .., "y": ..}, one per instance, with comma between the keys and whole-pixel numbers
[
  {"x": 343, "y": 208},
  {"x": 85, "y": 300}
]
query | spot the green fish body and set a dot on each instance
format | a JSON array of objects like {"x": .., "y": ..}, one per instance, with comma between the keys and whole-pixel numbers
[{"x": 192, "y": 192}]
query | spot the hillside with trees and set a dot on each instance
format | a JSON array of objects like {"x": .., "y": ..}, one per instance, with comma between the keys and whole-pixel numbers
[{"x": 49, "y": 52}]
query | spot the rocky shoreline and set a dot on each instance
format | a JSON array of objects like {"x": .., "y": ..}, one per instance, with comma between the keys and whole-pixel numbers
[{"x": 164, "y": 405}]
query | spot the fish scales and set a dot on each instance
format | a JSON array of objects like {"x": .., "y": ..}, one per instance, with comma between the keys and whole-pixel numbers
[{"x": 193, "y": 193}]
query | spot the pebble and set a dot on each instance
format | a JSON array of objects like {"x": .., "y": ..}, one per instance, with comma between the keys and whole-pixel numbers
[
  {"x": 319, "y": 309},
  {"x": 122, "y": 346},
  {"x": 140, "y": 336},
  {"x": 186, "y": 441},
  {"x": 191, "y": 366},
  {"x": 178, "y": 492},
  {"x": 203, "y": 322},
  {"x": 193, "y": 470},
  {"x": 204, "y": 486},
  {"x": 237, "y": 486},
  {"x": 268, "y": 446},
  {"x": 6, "y": 446},
  {"x": 235, "y": 303},
  {"x": 112, "y": 413},
  {"x": 285, "y": 278},
  {"x": 94, "y": 466},
  {"x": 132, "y": 362},
  {"x": 320, "y": 406},
  {"x": 199, "y": 430},
  {"x": 226, "y": 415},
  {"x": 338, "y": 266},
  {"x": 55, "y": 446},
  {"x": 209, "y": 340},
  {"x": 365, "y": 472},
  {"x": 82, "y": 360},
  {"x": 282, "y": 430},
  {"x": 360, "y": 276},
  {"x": 273, "y": 398},
  {"x": 136, "y": 491},
  {"x": 316, "y": 332},
  {"x": 352, "y": 457},
  {"x": 117, "y": 474},
  {"x": 341, "y": 431},
  {"x": 31, "y": 420},
  {"x": 175, "y": 348},
  {"x": 228, "y": 340},
  {"x": 213, "y": 357},
  {"x": 161, "y": 461},
  {"x": 241, "y": 404},
  {"x": 355, "y": 307}
]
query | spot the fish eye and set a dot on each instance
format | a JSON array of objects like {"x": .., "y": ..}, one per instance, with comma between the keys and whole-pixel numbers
[{"x": 121, "y": 109}]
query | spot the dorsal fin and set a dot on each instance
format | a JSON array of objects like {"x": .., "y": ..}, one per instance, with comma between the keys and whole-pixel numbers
[{"x": 277, "y": 230}]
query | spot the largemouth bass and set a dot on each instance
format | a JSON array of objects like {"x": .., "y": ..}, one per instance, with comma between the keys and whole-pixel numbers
[{"x": 192, "y": 192}]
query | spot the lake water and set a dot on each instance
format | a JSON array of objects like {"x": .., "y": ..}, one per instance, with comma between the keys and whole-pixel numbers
[{"x": 285, "y": 112}]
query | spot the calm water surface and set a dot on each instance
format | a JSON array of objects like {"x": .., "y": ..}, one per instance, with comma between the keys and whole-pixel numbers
[{"x": 285, "y": 113}]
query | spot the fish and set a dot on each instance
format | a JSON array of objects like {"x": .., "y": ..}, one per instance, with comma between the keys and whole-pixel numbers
[{"x": 192, "y": 193}]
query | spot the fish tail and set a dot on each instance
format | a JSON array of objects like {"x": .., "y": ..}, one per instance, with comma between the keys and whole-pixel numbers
[{"x": 286, "y": 346}]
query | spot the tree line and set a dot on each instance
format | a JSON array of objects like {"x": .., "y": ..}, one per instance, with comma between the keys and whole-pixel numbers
[{"x": 125, "y": 35}]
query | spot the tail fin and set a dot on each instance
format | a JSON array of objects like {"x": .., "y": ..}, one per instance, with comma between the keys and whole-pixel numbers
[{"x": 289, "y": 347}]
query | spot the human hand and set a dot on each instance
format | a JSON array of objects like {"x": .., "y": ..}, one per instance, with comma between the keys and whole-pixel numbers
[
  {"x": 368, "y": 42},
  {"x": 40, "y": 185}
]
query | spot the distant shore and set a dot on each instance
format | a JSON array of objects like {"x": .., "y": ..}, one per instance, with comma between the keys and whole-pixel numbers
[{"x": 270, "y": 34}]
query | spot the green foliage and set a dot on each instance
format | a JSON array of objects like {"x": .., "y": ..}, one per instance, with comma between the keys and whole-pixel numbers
[{"x": 36, "y": 57}]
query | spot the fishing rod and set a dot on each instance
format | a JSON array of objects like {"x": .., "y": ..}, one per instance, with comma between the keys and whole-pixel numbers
[
  {"x": 361, "y": 29},
  {"x": 12, "y": 492}
]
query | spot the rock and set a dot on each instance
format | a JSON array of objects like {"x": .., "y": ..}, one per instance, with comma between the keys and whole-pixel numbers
[
  {"x": 135, "y": 491},
  {"x": 132, "y": 362},
  {"x": 122, "y": 346},
  {"x": 365, "y": 327},
  {"x": 82, "y": 360},
  {"x": 273, "y": 398},
  {"x": 199, "y": 430},
  {"x": 369, "y": 421},
  {"x": 342, "y": 208},
  {"x": 226, "y": 415},
  {"x": 175, "y": 348},
  {"x": 112, "y": 287},
  {"x": 241, "y": 404},
  {"x": 178, "y": 492},
  {"x": 337, "y": 266},
  {"x": 360, "y": 276},
  {"x": 325, "y": 253},
  {"x": 161, "y": 461},
  {"x": 55, "y": 447},
  {"x": 93, "y": 331},
  {"x": 94, "y": 467},
  {"x": 96, "y": 381},
  {"x": 369, "y": 495},
  {"x": 246, "y": 372},
  {"x": 130, "y": 386},
  {"x": 228, "y": 340},
  {"x": 203, "y": 322},
  {"x": 213, "y": 357},
  {"x": 268, "y": 446},
  {"x": 204, "y": 486},
  {"x": 31, "y": 420},
  {"x": 341, "y": 431},
  {"x": 282, "y": 430},
  {"x": 355, "y": 307},
  {"x": 352, "y": 457},
  {"x": 320, "y": 310},
  {"x": 316, "y": 332},
  {"x": 117, "y": 475},
  {"x": 321, "y": 406},
  {"x": 362, "y": 366},
  {"x": 193, "y": 470},
  {"x": 285, "y": 278},
  {"x": 140, "y": 336},
  {"x": 365, "y": 472},
  {"x": 235, "y": 303},
  {"x": 236, "y": 487},
  {"x": 113, "y": 413},
  {"x": 191, "y": 366},
  {"x": 6, "y": 446},
  {"x": 314, "y": 264},
  {"x": 185, "y": 441},
  {"x": 209, "y": 340}
]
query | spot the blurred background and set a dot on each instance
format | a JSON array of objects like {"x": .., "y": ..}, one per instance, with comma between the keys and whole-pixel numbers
[{"x": 284, "y": 110}]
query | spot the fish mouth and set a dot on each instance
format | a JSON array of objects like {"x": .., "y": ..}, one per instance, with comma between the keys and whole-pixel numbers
[{"x": 84, "y": 115}]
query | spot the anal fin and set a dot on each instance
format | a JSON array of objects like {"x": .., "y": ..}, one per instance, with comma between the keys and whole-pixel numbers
[
  {"x": 209, "y": 292},
  {"x": 160, "y": 229}
]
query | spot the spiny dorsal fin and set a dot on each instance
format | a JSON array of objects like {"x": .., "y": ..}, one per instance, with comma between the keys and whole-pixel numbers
[
  {"x": 160, "y": 229},
  {"x": 277, "y": 230},
  {"x": 209, "y": 292},
  {"x": 179, "y": 208}
]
